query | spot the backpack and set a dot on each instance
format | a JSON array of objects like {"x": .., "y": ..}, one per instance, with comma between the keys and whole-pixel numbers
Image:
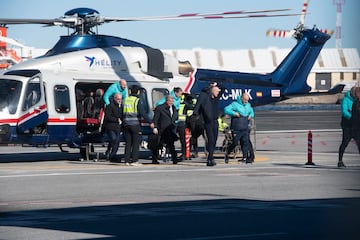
[{"x": 355, "y": 114}]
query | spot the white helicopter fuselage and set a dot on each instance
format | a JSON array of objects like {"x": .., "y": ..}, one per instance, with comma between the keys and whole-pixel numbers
[{"x": 55, "y": 78}]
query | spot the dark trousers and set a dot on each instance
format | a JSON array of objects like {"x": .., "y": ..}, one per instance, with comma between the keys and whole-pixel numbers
[
  {"x": 196, "y": 132},
  {"x": 211, "y": 130},
  {"x": 114, "y": 141},
  {"x": 181, "y": 132},
  {"x": 348, "y": 134},
  {"x": 251, "y": 154},
  {"x": 242, "y": 135},
  {"x": 132, "y": 139},
  {"x": 168, "y": 138},
  {"x": 194, "y": 144}
]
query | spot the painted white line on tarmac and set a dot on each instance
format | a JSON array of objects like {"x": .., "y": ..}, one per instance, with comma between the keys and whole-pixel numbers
[
  {"x": 299, "y": 131},
  {"x": 56, "y": 174}
]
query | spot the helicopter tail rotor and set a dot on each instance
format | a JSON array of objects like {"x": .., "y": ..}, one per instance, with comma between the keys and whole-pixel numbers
[{"x": 296, "y": 31}]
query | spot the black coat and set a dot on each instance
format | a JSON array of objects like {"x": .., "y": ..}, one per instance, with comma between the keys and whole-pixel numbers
[
  {"x": 112, "y": 115},
  {"x": 164, "y": 122},
  {"x": 206, "y": 106}
]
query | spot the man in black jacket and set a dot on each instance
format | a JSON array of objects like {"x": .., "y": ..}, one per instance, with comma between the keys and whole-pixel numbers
[
  {"x": 112, "y": 126},
  {"x": 207, "y": 106},
  {"x": 164, "y": 123}
]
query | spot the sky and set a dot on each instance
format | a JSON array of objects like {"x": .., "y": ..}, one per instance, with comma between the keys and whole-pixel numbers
[{"x": 221, "y": 34}]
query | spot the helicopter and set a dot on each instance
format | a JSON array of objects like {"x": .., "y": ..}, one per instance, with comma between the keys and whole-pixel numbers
[{"x": 56, "y": 98}]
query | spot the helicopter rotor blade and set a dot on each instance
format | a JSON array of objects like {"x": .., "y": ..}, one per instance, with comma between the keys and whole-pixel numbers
[
  {"x": 303, "y": 11},
  {"x": 82, "y": 20},
  {"x": 68, "y": 20},
  {"x": 280, "y": 33},
  {"x": 48, "y": 22},
  {"x": 194, "y": 16}
]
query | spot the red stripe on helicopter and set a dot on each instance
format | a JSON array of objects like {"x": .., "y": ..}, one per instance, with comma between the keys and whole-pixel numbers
[
  {"x": 36, "y": 111},
  {"x": 62, "y": 120},
  {"x": 190, "y": 83},
  {"x": 12, "y": 120}
]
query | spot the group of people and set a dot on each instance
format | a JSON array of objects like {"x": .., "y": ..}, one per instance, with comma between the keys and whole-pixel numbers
[
  {"x": 178, "y": 111},
  {"x": 240, "y": 111},
  {"x": 172, "y": 115}
]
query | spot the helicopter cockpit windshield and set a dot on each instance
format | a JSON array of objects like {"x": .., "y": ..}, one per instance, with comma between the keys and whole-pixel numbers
[{"x": 9, "y": 95}]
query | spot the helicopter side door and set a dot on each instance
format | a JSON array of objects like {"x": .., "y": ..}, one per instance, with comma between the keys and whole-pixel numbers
[{"x": 34, "y": 114}]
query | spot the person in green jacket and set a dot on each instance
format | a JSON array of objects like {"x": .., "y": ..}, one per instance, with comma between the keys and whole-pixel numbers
[
  {"x": 241, "y": 113},
  {"x": 117, "y": 87},
  {"x": 176, "y": 93}
]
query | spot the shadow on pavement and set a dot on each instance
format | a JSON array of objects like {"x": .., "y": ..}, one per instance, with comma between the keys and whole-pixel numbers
[
  {"x": 204, "y": 219},
  {"x": 38, "y": 156}
]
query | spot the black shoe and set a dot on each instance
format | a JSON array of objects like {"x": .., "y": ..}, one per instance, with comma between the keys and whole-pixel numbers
[
  {"x": 115, "y": 159},
  {"x": 155, "y": 162},
  {"x": 210, "y": 163},
  {"x": 226, "y": 159},
  {"x": 242, "y": 160},
  {"x": 248, "y": 161},
  {"x": 194, "y": 155},
  {"x": 341, "y": 164}
]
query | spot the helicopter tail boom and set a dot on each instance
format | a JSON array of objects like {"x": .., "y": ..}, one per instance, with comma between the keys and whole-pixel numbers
[{"x": 293, "y": 70}]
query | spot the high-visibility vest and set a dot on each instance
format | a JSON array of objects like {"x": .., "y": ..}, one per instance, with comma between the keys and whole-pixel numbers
[
  {"x": 131, "y": 110},
  {"x": 222, "y": 124},
  {"x": 182, "y": 116},
  {"x": 189, "y": 112}
]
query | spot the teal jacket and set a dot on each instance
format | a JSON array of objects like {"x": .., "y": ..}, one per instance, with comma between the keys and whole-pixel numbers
[
  {"x": 238, "y": 106},
  {"x": 177, "y": 100},
  {"x": 112, "y": 89},
  {"x": 346, "y": 105}
]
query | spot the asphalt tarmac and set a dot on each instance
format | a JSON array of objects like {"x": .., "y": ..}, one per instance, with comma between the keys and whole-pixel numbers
[{"x": 46, "y": 194}]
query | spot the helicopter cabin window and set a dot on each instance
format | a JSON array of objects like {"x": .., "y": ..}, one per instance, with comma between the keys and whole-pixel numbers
[
  {"x": 9, "y": 95},
  {"x": 157, "y": 94},
  {"x": 143, "y": 98},
  {"x": 62, "y": 99},
  {"x": 32, "y": 94}
]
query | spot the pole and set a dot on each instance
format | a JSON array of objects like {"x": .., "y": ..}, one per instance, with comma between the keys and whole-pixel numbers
[
  {"x": 187, "y": 141},
  {"x": 309, "y": 161}
]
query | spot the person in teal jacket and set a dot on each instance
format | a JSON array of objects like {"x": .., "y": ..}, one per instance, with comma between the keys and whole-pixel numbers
[
  {"x": 117, "y": 87},
  {"x": 176, "y": 93},
  {"x": 241, "y": 113},
  {"x": 346, "y": 121},
  {"x": 240, "y": 107}
]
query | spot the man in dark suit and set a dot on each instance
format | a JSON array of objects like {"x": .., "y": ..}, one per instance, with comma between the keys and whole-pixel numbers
[
  {"x": 112, "y": 126},
  {"x": 164, "y": 123}
]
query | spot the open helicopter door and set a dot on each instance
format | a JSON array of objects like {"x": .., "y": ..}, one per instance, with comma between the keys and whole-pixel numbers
[{"x": 34, "y": 113}]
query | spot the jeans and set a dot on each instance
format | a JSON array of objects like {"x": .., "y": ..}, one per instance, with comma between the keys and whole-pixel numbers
[
  {"x": 114, "y": 141},
  {"x": 242, "y": 135}
]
